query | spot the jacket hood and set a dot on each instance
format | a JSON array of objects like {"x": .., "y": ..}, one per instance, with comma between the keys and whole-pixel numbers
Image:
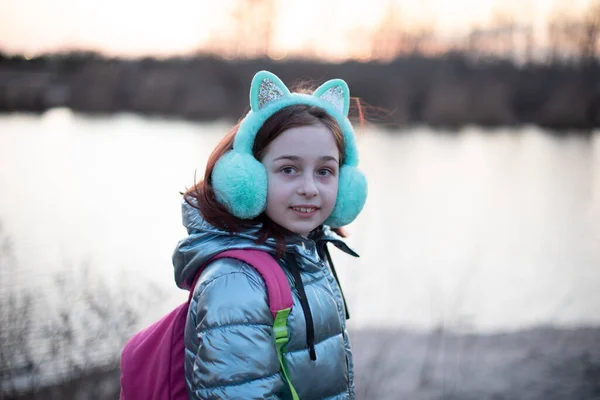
[{"x": 204, "y": 241}]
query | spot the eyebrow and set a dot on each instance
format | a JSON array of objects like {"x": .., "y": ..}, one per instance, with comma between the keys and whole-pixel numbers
[{"x": 296, "y": 158}]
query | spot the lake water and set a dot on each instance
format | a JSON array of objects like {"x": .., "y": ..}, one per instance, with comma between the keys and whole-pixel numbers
[{"x": 476, "y": 230}]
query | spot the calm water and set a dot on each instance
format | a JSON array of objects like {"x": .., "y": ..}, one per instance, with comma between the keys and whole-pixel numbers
[{"x": 482, "y": 230}]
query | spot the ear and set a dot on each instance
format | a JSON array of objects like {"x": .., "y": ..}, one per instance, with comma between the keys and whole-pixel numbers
[
  {"x": 266, "y": 87},
  {"x": 337, "y": 93}
]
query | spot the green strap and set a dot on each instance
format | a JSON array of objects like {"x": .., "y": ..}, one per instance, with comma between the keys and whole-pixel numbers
[{"x": 281, "y": 339}]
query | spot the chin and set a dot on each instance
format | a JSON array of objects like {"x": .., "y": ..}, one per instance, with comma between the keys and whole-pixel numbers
[
  {"x": 303, "y": 231},
  {"x": 299, "y": 227}
]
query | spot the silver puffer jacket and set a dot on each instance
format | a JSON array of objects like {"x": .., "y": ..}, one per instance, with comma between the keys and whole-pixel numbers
[{"x": 230, "y": 349}]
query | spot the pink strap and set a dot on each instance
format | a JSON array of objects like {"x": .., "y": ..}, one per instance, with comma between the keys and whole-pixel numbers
[{"x": 278, "y": 289}]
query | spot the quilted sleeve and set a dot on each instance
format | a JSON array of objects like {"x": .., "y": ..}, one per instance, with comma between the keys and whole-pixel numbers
[{"x": 235, "y": 355}]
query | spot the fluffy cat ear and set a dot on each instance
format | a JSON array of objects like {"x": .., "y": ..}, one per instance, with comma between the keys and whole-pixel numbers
[
  {"x": 335, "y": 92},
  {"x": 266, "y": 87}
]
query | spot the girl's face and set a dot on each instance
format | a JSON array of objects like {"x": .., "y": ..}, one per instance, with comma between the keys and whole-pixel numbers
[{"x": 303, "y": 170}]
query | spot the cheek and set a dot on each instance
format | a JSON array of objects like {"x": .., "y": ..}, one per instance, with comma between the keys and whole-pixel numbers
[
  {"x": 276, "y": 187},
  {"x": 330, "y": 190}
]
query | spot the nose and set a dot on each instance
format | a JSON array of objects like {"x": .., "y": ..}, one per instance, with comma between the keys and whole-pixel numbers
[{"x": 307, "y": 187}]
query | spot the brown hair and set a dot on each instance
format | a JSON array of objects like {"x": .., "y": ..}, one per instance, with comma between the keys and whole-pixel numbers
[{"x": 203, "y": 192}]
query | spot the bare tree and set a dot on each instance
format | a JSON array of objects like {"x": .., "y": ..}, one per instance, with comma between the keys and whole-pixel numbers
[
  {"x": 253, "y": 22},
  {"x": 387, "y": 39},
  {"x": 590, "y": 45},
  {"x": 575, "y": 37}
]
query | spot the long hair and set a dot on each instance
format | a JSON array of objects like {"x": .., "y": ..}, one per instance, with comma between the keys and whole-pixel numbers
[{"x": 203, "y": 192}]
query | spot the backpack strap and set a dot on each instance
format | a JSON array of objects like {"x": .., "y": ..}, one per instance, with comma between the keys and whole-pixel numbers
[
  {"x": 330, "y": 261},
  {"x": 279, "y": 296}
]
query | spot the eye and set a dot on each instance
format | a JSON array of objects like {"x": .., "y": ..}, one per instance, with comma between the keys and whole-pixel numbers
[
  {"x": 288, "y": 170},
  {"x": 325, "y": 172}
]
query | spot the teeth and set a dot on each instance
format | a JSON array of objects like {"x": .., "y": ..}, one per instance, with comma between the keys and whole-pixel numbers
[{"x": 304, "y": 210}]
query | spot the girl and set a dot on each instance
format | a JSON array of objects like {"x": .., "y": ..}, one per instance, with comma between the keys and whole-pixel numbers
[{"x": 279, "y": 182}]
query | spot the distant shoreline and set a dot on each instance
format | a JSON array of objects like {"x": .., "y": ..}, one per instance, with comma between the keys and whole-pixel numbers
[{"x": 449, "y": 91}]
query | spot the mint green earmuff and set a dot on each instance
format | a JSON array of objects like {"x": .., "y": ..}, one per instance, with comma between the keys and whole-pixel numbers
[{"x": 240, "y": 180}]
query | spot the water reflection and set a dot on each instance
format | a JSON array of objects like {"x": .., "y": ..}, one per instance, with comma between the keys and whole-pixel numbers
[
  {"x": 476, "y": 230},
  {"x": 483, "y": 228}
]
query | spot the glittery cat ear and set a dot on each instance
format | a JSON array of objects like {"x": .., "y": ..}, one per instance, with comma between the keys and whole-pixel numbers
[
  {"x": 335, "y": 92},
  {"x": 266, "y": 87}
]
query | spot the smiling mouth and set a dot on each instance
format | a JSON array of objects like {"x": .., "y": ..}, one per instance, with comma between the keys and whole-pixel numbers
[{"x": 306, "y": 210}]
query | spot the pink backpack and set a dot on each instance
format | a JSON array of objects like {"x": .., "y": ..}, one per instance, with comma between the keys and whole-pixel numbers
[{"x": 152, "y": 362}]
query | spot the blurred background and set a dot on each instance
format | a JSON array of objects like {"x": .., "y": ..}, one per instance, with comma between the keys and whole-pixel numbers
[{"x": 479, "y": 275}]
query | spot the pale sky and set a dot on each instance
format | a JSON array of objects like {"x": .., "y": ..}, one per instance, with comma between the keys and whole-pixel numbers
[{"x": 141, "y": 27}]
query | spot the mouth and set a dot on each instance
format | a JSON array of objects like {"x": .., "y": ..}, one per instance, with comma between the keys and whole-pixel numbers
[{"x": 305, "y": 209}]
